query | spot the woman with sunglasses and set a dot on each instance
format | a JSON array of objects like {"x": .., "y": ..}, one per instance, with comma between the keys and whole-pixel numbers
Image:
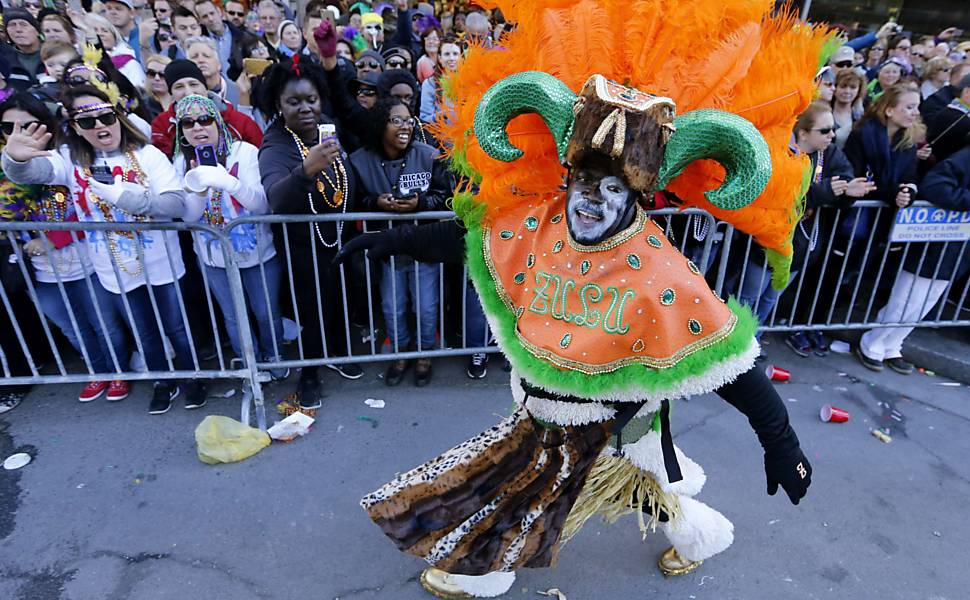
[
  {"x": 59, "y": 258},
  {"x": 137, "y": 271},
  {"x": 306, "y": 175},
  {"x": 81, "y": 73},
  {"x": 164, "y": 42},
  {"x": 396, "y": 174},
  {"x": 158, "y": 99},
  {"x": 218, "y": 194}
]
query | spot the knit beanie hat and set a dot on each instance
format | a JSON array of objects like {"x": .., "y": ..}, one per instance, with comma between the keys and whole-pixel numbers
[
  {"x": 180, "y": 69},
  {"x": 20, "y": 14}
]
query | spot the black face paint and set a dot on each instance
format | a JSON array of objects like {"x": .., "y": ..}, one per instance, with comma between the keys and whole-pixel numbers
[{"x": 598, "y": 205}]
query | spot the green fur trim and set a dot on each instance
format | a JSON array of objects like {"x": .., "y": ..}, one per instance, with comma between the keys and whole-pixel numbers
[
  {"x": 780, "y": 266},
  {"x": 460, "y": 165},
  {"x": 649, "y": 380},
  {"x": 469, "y": 210}
]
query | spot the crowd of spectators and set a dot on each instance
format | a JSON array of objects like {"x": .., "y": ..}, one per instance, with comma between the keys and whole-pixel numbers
[{"x": 207, "y": 111}]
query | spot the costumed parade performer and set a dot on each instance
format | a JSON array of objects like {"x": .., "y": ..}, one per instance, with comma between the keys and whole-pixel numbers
[{"x": 602, "y": 319}]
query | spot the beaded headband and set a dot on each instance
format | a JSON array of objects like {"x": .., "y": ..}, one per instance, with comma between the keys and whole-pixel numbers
[{"x": 86, "y": 108}]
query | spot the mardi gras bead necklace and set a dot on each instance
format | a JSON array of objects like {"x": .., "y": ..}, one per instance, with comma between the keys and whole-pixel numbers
[
  {"x": 340, "y": 190},
  {"x": 212, "y": 213},
  {"x": 106, "y": 212}
]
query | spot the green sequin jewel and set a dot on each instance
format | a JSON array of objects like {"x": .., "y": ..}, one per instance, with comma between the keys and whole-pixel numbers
[
  {"x": 694, "y": 326},
  {"x": 668, "y": 296},
  {"x": 530, "y": 260},
  {"x": 556, "y": 218},
  {"x": 654, "y": 241},
  {"x": 519, "y": 277},
  {"x": 532, "y": 223},
  {"x": 584, "y": 267},
  {"x": 693, "y": 268},
  {"x": 564, "y": 342},
  {"x": 557, "y": 246},
  {"x": 506, "y": 234},
  {"x": 633, "y": 260}
]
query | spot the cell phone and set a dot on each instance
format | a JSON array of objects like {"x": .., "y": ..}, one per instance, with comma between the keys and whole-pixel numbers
[
  {"x": 402, "y": 196},
  {"x": 102, "y": 174},
  {"x": 326, "y": 131},
  {"x": 256, "y": 66},
  {"x": 205, "y": 155}
]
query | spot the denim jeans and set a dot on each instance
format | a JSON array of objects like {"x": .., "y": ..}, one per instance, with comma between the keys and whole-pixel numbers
[
  {"x": 419, "y": 283},
  {"x": 54, "y": 308},
  {"x": 477, "y": 333},
  {"x": 756, "y": 291},
  {"x": 145, "y": 326},
  {"x": 268, "y": 318}
]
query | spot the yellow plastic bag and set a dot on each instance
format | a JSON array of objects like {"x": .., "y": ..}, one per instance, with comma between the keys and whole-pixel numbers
[{"x": 223, "y": 440}]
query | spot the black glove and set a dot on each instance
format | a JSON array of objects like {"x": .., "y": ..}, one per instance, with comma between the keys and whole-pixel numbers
[
  {"x": 791, "y": 470},
  {"x": 378, "y": 244}
]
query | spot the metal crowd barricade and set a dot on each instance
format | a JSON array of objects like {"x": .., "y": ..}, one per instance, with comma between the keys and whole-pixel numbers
[
  {"x": 841, "y": 285},
  {"x": 79, "y": 369}
]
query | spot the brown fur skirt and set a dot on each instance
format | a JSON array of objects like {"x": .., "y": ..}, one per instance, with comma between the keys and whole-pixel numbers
[{"x": 496, "y": 502}]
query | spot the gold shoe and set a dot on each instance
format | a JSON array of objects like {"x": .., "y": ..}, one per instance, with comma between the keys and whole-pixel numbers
[
  {"x": 671, "y": 563},
  {"x": 438, "y": 583}
]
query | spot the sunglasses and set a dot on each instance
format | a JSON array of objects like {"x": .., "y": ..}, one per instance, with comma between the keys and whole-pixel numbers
[
  {"x": 153, "y": 74},
  {"x": 189, "y": 122},
  {"x": 397, "y": 64},
  {"x": 7, "y": 126},
  {"x": 366, "y": 92},
  {"x": 106, "y": 119},
  {"x": 844, "y": 64},
  {"x": 401, "y": 121},
  {"x": 165, "y": 37},
  {"x": 234, "y": 13},
  {"x": 370, "y": 64},
  {"x": 825, "y": 130}
]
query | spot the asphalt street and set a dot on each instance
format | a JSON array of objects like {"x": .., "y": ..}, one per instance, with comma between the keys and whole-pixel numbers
[{"x": 117, "y": 506}]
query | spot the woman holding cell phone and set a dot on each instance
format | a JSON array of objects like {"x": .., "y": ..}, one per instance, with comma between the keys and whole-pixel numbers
[
  {"x": 115, "y": 176},
  {"x": 221, "y": 177},
  {"x": 306, "y": 172}
]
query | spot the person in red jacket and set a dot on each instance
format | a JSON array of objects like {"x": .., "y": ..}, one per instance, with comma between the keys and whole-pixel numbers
[{"x": 183, "y": 78}]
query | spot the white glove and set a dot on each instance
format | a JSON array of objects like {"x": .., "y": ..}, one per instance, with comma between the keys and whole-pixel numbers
[
  {"x": 113, "y": 192},
  {"x": 216, "y": 178}
]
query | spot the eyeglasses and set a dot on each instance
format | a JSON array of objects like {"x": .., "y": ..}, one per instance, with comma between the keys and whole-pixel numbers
[
  {"x": 189, "y": 122},
  {"x": 7, "y": 126},
  {"x": 367, "y": 92},
  {"x": 370, "y": 64},
  {"x": 153, "y": 74},
  {"x": 106, "y": 119},
  {"x": 401, "y": 121},
  {"x": 844, "y": 64}
]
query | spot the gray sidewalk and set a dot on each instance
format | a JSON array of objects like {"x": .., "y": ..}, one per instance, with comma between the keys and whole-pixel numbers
[{"x": 117, "y": 506}]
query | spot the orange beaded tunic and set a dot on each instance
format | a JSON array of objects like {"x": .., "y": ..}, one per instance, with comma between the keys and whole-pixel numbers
[{"x": 632, "y": 299}]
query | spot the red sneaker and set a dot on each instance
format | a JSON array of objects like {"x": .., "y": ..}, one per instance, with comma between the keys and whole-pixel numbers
[
  {"x": 93, "y": 391},
  {"x": 118, "y": 390}
]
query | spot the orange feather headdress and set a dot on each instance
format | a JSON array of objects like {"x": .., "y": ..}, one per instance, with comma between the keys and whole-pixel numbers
[{"x": 730, "y": 55}]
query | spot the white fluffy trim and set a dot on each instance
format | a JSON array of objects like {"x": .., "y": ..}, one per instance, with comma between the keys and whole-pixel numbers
[
  {"x": 560, "y": 413},
  {"x": 700, "y": 532},
  {"x": 716, "y": 375},
  {"x": 646, "y": 454},
  {"x": 489, "y": 585}
]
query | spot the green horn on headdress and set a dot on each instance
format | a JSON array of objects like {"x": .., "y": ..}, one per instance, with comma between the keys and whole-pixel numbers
[
  {"x": 730, "y": 140},
  {"x": 526, "y": 92}
]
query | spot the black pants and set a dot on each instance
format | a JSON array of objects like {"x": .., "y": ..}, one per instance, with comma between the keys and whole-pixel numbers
[{"x": 331, "y": 304}]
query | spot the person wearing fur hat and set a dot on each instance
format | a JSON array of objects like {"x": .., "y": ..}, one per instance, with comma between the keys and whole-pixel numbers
[
  {"x": 604, "y": 322},
  {"x": 23, "y": 51}
]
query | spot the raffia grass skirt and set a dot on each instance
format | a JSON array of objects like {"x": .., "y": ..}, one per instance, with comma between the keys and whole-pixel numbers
[{"x": 497, "y": 502}]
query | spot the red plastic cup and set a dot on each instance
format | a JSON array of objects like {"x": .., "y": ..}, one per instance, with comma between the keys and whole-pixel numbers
[
  {"x": 833, "y": 414},
  {"x": 776, "y": 373}
]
